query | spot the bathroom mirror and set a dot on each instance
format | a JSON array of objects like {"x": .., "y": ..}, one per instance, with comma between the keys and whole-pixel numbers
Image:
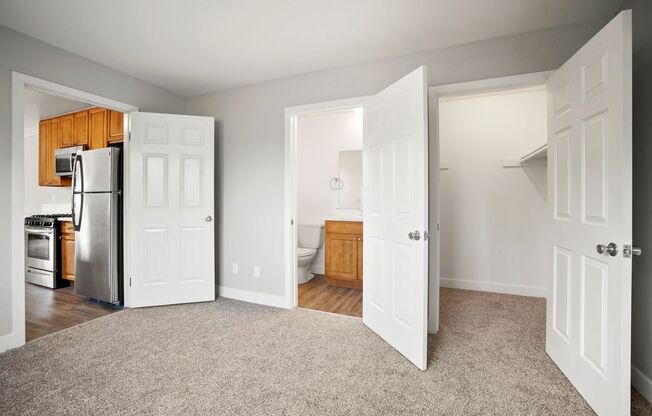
[{"x": 350, "y": 191}]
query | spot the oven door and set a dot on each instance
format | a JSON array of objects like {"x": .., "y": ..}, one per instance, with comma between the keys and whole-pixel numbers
[{"x": 39, "y": 248}]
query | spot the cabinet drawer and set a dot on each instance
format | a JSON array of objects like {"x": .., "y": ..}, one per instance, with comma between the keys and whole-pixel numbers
[
  {"x": 67, "y": 227},
  {"x": 344, "y": 227}
]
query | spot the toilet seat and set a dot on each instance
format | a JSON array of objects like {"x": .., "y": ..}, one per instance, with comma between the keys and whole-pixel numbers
[{"x": 305, "y": 252}]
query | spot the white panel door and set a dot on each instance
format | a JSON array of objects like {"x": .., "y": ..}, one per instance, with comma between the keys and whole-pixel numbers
[
  {"x": 395, "y": 296},
  {"x": 171, "y": 257},
  {"x": 588, "y": 330}
]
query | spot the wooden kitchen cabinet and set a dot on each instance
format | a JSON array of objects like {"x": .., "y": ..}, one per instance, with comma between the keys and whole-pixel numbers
[
  {"x": 43, "y": 130},
  {"x": 94, "y": 128},
  {"x": 66, "y": 138},
  {"x": 343, "y": 253},
  {"x": 67, "y": 251},
  {"x": 80, "y": 128},
  {"x": 97, "y": 128},
  {"x": 48, "y": 143},
  {"x": 116, "y": 126}
]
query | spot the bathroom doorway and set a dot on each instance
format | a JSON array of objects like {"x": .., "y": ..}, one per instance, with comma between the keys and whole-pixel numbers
[{"x": 327, "y": 190}]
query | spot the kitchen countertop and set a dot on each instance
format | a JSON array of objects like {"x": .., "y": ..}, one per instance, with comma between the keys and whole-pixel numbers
[
  {"x": 61, "y": 219},
  {"x": 351, "y": 218}
]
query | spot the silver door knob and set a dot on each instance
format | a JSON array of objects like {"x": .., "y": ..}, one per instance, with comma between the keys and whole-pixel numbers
[
  {"x": 414, "y": 235},
  {"x": 610, "y": 249},
  {"x": 208, "y": 219}
]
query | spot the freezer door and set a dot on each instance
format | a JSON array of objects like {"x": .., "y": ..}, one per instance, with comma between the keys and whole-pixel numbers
[
  {"x": 97, "y": 170},
  {"x": 96, "y": 247}
]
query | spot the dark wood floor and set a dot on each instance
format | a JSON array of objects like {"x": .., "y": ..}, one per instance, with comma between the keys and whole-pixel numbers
[
  {"x": 317, "y": 295},
  {"x": 48, "y": 311}
]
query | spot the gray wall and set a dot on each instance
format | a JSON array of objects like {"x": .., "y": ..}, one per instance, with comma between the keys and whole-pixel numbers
[
  {"x": 642, "y": 266},
  {"x": 250, "y": 165},
  {"x": 32, "y": 57}
]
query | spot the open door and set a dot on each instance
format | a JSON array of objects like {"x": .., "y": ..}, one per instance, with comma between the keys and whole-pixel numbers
[
  {"x": 395, "y": 215},
  {"x": 588, "y": 331},
  {"x": 170, "y": 226}
]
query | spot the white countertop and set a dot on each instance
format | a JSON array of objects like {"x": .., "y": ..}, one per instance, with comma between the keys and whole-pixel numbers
[
  {"x": 351, "y": 218},
  {"x": 61, "y": 219}
]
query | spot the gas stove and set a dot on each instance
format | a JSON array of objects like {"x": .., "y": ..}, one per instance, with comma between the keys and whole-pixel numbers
[{"x": 44, "y": 220}]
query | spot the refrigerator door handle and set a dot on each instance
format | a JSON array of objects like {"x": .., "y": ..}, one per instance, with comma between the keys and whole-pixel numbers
[
  {"x": 78, "y": 174},
  {"x": 77, "y": 214}
]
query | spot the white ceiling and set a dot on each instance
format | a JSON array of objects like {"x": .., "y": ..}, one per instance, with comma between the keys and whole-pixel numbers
[{"x": 198, "y": 46}]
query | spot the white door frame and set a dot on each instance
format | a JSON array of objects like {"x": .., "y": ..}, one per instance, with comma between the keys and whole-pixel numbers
[
  {"x": 291, "y": 167},
  {"x": 19, "y": 81},
  {"x": 491, "y": 84},
  {"x": 290, "y": 211}
]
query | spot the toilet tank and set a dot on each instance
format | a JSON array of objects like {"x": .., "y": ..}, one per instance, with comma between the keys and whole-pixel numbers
[{"x": 310, "y": 236}]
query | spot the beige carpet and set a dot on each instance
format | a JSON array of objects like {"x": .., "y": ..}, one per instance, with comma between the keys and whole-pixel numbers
[{"x": 229, "y": 357}]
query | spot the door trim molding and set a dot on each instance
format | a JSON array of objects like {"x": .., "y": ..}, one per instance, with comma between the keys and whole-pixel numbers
[
  {"x": 290, "y": 205},
  {"x": 253, "y": 297},
  {"x": 18, "y": 83}
]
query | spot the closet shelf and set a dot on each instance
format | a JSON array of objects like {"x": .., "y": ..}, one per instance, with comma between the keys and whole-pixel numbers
[{"x": 539, "y": 153}]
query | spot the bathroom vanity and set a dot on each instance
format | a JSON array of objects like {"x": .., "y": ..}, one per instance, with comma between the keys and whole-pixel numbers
[{"x": 343, "y": 253}]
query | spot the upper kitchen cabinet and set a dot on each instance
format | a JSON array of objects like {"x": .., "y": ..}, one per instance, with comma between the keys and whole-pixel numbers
[
  {"x": 80, "y": 128},
  {"x": 98, "y": 128},
  {"x": 94, "y": 128},
  {"x": 116, "y": 126},
  {"x": 66, "y": 138},
  {"x": 43, "y": 128},
  {"x": 49, "y": 140}
]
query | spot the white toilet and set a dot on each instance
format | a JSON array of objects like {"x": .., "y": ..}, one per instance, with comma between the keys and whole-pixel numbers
[{"x": 310, "y": 239}]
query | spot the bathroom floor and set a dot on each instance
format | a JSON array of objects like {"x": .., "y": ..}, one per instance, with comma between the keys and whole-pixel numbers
[{"x": 317, "y": 295}]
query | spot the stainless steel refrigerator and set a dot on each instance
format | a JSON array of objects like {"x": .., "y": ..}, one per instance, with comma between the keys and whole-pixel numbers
[{"x": 96, "y": 210}]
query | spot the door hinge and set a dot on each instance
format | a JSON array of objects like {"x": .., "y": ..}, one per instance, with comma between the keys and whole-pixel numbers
[
  {"x": 130, "y": 282},
  {"x": 426, "y": 235}
]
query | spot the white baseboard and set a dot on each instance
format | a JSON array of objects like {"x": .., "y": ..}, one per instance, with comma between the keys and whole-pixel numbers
[
  {"x": 522, "y": 290},
  {"x": 642, "y": 383},
  {"x": 254, "y": 297},
  {"x": 7, "y": 342}
]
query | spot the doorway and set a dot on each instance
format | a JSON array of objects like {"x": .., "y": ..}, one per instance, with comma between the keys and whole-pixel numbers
[
  {"x": 64, "y": 101},
  {"x": 56, "y": 130},
  {"x": 327, "y": 197}
]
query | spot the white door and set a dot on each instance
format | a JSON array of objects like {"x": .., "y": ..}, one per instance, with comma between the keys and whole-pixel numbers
[
  {"x": 588, "y": 332},
  {"x": 395, "y": 215},
  {"x": 169, "y": 209}
]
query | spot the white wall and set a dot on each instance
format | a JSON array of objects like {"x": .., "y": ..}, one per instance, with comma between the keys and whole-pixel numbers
[
  {"x": 492, "y": 218},
  {"x": 320, "y": 138},
  {"x": 250, "y": 162},
  {"x": 29, "y": 56}
]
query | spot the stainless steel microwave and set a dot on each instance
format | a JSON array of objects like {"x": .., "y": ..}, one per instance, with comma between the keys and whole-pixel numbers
[{"x": 64, "y": 159}]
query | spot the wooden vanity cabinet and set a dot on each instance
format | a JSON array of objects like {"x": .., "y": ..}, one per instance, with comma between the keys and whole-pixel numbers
[
  {"x": 343, "y": 253},
  {"x": 67, "y": 251}
]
